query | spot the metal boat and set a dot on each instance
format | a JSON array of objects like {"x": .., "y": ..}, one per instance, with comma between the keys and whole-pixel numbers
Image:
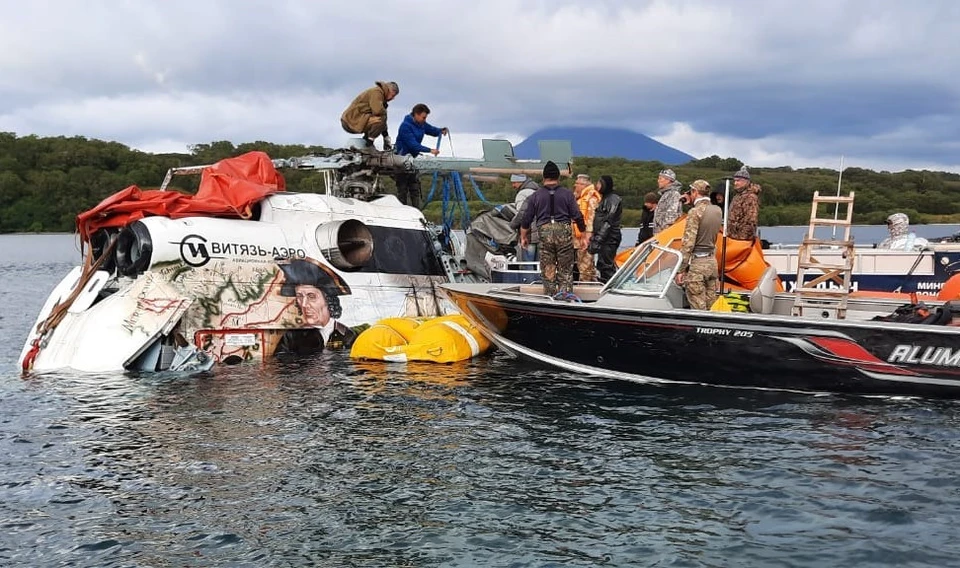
[{"x": 638, "y": 328}]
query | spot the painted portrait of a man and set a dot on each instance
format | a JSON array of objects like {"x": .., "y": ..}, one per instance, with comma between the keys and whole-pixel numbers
[{"x": 316, "y": 289}]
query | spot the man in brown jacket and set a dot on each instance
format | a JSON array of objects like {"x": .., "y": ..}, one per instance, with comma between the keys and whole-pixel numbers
[{"x": 367, "y": 114}]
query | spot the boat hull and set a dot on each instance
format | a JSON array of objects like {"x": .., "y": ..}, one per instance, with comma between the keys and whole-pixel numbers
[{"x": 721, "y": 349}]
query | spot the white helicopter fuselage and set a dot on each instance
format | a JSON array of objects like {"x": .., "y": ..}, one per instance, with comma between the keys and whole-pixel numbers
[{"x": 215, "y": 283}]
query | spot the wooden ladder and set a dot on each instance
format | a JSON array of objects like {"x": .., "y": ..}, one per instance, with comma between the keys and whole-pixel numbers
[{"x": 825, "y": 300}]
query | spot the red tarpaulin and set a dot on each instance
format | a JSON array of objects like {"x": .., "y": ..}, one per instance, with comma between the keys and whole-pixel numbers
[{"x": 228, "y": 188}]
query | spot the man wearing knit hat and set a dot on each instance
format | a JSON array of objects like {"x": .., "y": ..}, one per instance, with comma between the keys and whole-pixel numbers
[
  {"x": 698, "y": 267},
  {"x": 669, "y": 207},
  {"x": 367, "y": 114},
  {"x": 551, "y": 209},
  {"x": 525, "y": 187},
  {"x": 744, "y": 207}
]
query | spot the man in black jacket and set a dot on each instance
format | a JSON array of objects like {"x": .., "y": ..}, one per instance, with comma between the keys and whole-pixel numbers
[
  {"x": 646, "y": 218},
  {"x": 606, "y": 229}
]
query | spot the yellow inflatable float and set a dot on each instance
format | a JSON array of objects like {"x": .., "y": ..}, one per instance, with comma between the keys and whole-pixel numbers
[{"x": 444, "y": 339}]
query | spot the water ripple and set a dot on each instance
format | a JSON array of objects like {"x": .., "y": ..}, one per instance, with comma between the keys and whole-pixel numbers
[{"x": 493, "y": 462}]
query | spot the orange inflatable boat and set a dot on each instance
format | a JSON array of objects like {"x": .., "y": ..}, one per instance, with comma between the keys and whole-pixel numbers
[{"x": 743, "y": 261}]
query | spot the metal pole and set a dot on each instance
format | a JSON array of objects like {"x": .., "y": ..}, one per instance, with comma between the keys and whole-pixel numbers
[
  {"x": 836, "y": 206},
  {"x": 726, "y": 203},
  {"x": 723, "y": 247}
]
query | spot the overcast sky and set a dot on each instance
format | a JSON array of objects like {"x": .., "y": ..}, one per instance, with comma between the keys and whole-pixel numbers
[{"x": 769, "y": 82}]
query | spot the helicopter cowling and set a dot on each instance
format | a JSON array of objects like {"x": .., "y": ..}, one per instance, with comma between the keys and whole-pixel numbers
[{"x": 347, "y": 244}]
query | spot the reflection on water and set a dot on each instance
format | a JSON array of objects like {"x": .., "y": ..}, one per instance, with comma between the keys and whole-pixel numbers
[{"x": 491, "y": 462}]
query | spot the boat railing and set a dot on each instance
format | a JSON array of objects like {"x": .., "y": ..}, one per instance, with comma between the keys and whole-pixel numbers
[{"x": 517, "y": 293}]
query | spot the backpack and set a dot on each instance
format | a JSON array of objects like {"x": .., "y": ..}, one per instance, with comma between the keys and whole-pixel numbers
[{"x": 922, "y": 314}]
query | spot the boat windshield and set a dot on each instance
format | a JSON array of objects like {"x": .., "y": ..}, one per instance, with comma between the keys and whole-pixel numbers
[{"x": 649, "y": 271}]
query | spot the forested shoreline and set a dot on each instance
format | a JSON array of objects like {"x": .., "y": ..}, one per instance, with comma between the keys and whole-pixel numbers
[{"x": 46, "y": 181}]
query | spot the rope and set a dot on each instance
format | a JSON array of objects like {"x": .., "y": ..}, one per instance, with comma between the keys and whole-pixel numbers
[
  {"x": 476, "y": 188},
  {"x": 566, "y": 297},
  {"x": 453, "y": 200},
  {"x": 436, "y": 300},
  {"x": 906, "y": 276},
  {"x": 462, "y": 198},
  {"x": 446, "y": 214},
  {"x": 59, "y": 311},
  {"x": 433, "y": 188},
  {"x": 433, "y": 184},
  {"x": 416, "y": 297},
  {"x": 454, "y": 204}
]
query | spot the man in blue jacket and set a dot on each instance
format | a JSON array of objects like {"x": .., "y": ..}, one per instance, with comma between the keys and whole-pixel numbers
[{"x": 410, "y": 143}]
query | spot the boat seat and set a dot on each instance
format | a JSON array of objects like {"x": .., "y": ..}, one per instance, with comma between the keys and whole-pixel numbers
[
  {"x": 536, "y": 288},
  {"x": 676, "y": 296},
  {"x": 587, "y": 292},
  {"x": 762, "y": 297}
]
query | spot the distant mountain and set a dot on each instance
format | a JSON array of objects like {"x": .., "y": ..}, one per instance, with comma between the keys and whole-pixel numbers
[{"x": 604, "y": 143}]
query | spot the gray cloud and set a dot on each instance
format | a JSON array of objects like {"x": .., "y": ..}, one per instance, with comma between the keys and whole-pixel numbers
[{"x": 753, "y": 76}]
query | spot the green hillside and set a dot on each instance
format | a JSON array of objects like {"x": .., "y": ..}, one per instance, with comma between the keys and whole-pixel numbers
[{"x": 46, "y": 181}]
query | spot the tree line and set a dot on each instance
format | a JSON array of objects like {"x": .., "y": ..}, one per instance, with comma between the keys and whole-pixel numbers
[{"x": 45, "y": 182}]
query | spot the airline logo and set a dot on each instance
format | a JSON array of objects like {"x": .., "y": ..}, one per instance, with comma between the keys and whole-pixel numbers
[{"x": 196, "y": 250}]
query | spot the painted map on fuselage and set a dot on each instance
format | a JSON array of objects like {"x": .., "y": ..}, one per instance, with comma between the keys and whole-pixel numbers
[
  {"x": 230, "y": 294},
  {"x": 238, "y": 309}
]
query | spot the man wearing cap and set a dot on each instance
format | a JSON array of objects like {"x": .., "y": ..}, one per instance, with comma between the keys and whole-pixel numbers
[
  {"x": 410, "y": 143},
  {"x": 669, "y": 207},
  {"x": 551, "y": 209},
  {"x": 367, "y": 114},
  {"x": 744, "y": 207},
  {"x": 525, "y": 187},
  {"x": 588, "y": 198},
  {"x": 698, "y": 268},
  {"x": 317, "y": 290}
]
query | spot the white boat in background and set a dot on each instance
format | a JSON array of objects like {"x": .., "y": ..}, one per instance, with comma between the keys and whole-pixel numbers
[{"x": 922, "y": 272}]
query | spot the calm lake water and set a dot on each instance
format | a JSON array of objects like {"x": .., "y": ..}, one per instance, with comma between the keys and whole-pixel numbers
[{"x": 490, "y": 463}]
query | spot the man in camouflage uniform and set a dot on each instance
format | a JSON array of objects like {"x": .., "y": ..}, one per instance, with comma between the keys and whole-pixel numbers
[
  {"x": 900, "y": 237},
  {"x": 744, "y": 207},
  {"x": 551, "y": 209},
  {"x": 367, "y": 114},
  {"x": 669, "y": 208},
  {"x": 587, "y": 200},
  {"x": 698, "y": 269}
]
